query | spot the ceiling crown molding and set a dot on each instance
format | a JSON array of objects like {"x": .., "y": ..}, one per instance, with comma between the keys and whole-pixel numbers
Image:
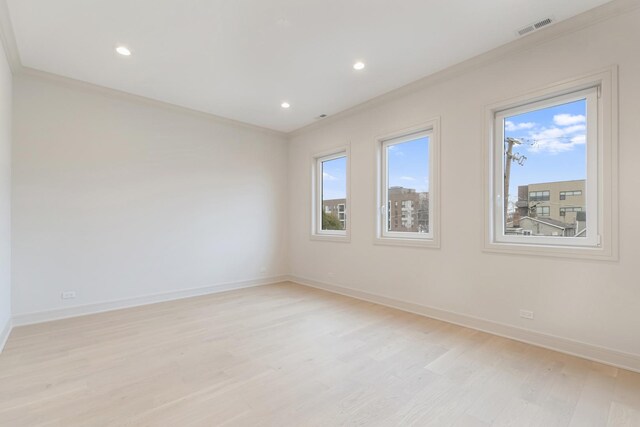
[
  {"x": 8, "y": 39},
  {"x": 562, "y": 28},
  {"x": 79, "y": 85},
  {"x": 576, "y": 23}
]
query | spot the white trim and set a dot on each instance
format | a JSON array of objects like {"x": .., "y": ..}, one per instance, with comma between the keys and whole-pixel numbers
[
  {"x": 82, "y": 310},
  {"x": 382, "y": 236},
  {"x": 604, "y": 245},
  {"x": 316, "y": 233},
  {"x": 4, "y": 334},
  {"x": 583, "y": 350},
  {"x": 590, "y": 97},
  {"x": 93, "y": 88}
]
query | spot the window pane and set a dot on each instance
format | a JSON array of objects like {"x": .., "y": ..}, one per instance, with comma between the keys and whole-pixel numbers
[
  {"x": 334, "y": 194},
  {"x": 545, "y": 171},
  {"x": 408, "y": 186}
]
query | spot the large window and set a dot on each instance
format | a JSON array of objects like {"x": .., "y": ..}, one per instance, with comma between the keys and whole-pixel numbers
[
  {"x": 330, "y": 204},
  {"x": 550, "y": 144},
  {"x": 407, "y": 194},
  {"x": 551, "y": 156}
]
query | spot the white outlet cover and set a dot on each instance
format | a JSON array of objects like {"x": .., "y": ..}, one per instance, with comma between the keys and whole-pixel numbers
[
  {"x": 68, "y": 295},
  {"x": 526, "y": 314}
]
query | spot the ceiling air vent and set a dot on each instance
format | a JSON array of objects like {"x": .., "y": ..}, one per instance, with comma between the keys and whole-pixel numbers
[
  {"x": 542, "y": 23},
  {"x": 534, "y": 27}
]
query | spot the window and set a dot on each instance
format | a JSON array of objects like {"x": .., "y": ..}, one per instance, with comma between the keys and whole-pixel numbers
[
  {"x": 564, "y": 194},
  {"x": 563, "y": 211},
  {"x": 536, "y": 196},
  {"x": 551, "y": 155},
  {"x": 330, "y": 216},
  {"x": 407, "y": 197},
  {"x": 543, "y": 210},
  {"x": 547, "y": 142}
]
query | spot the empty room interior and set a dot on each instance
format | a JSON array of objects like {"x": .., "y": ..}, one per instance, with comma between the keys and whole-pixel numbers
[{"x": 319, "y": 213}]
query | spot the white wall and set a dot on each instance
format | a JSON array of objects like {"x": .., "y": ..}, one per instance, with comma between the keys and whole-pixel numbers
[
  {"x": 117, "y": 198},
  {"x": 588, "y": 301},
  {"x": 5, "y": 194}
]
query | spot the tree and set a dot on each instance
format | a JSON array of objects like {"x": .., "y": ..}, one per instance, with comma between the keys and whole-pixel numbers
[{"x": 330, "y": 222}]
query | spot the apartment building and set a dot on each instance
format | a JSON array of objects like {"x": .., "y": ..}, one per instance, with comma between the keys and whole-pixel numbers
[
  {"x": 560, "y": 201},
  {"x": 336, "y": 208},
  {"x": 551, "y": 209},
  {"x": 408, "y": 210}
]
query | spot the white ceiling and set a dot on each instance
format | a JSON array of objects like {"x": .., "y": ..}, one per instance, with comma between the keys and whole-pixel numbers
[{"x": 241, "y": 58}]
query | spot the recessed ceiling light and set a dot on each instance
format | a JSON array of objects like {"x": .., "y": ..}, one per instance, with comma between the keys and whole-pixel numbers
[
  {"x": 285, "y": 105},
  {"x": 358, "y": 66},
  {"x": 123, "y": 50}
]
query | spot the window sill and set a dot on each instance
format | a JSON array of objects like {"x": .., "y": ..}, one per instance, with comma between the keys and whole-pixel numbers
[
  {"x": 576, "y": 252},
  {"x": 344, "y": 238},
  {"x": 416, "y": 243}
]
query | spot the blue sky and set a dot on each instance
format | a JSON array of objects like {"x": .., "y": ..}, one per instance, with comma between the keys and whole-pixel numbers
[
  {"x": 554, "y": 143},
  {"x": 334, "y": 179},
  {"x": 409, "y": 164},
  {"x": 408, "y": 167}
]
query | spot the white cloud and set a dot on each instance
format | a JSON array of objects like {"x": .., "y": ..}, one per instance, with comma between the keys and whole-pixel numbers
[
  {"x": 568, "y": 119},
  {"x": 328, "y": 177},
  {"x": 510, "y": 126},
  {"x": 579, "y": 139},
  {"x": 548, "y": 133},
  {"x": 574, "y": 129},
  {"x": 407, "y": 178},
  {"x": 552, "y": 146},
  {"x": 556, "y": 140}
]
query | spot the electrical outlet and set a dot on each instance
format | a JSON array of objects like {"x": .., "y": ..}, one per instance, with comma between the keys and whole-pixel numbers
[
  {"x": 526, "y": 314},
  {"x": 68, "y": 295}
]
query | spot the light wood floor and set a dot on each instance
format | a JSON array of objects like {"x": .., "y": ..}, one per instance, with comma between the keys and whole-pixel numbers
[{"x": 286, "y": 355}]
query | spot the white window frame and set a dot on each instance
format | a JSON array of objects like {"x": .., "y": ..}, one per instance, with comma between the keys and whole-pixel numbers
[
  {"x": 591, "y": 97},
  {"x": 600, "y": 90},
  {"x": 382, "y": 234},
  {"x": 317, "y": 233}
]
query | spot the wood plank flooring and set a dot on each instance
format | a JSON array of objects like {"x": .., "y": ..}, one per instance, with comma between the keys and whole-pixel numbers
[{"x": 286, "y": 355}]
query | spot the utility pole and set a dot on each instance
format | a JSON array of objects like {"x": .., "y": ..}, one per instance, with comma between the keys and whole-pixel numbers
[{"x": 510, "y": 157}]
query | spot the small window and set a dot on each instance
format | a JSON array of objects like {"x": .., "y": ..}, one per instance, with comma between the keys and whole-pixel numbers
[
  {"x": 407, "y": 191},
  {"x": 551, "y": 155},
  {"x": 330, "y": 196},
  {"x": 539, "y": 196},
  {"x": 565, "y": 194},
  {"x": 543, "y": 210},
  {"x": 563, "y": 211}
]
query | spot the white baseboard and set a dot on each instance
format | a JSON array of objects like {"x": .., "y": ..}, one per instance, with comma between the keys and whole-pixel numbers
[
  {"x": 82, "y": 310},
  {"x": 563, "y": 345},
  {"x": 4, "y": 334}
]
